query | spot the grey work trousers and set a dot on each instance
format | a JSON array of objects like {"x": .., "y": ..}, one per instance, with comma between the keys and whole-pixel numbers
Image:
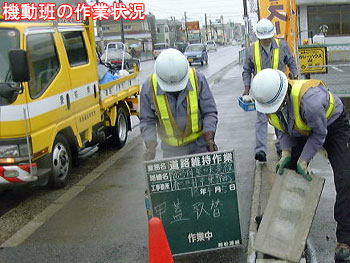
[{"x": 261, "y": 134}]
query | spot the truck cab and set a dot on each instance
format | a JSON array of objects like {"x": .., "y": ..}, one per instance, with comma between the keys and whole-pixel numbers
[{"x": 51, "y": 104}]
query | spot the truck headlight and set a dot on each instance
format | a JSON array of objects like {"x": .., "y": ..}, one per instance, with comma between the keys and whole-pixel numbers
[
  {"x": 9, "y": 151},
  {"x": 23, "y": 149},
  {"x": 199, "y": 56}
]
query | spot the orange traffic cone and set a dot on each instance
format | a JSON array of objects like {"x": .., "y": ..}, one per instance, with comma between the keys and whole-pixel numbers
[{"x": 158, "y": 246}]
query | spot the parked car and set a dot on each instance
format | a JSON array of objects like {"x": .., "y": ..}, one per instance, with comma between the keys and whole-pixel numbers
[
  {"x": 196, "y": 53},
  {"x": 211, "y": 45},
  {"x": 158, "y": 48},
  {"x": 180, "y": 46}
]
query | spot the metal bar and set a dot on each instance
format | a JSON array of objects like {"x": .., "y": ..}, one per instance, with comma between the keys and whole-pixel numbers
[{"x": 27, "y": 138}]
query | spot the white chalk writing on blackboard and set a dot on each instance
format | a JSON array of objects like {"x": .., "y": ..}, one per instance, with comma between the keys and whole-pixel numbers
[
  {"x": 200, "y": 237},
  {"x": 177, "y": 216}
]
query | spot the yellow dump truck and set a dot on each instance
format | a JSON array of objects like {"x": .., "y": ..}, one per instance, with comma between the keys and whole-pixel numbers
[{"x": 52, "y": 107}]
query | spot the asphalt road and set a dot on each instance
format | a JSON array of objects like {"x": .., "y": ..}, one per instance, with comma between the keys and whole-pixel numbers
[
  {"x": 104, "y": 220},
  {"x": 337, "y": 79}
]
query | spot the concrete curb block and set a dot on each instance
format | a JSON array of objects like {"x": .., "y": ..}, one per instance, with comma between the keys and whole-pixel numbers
[{"x": 253, "y": 226}]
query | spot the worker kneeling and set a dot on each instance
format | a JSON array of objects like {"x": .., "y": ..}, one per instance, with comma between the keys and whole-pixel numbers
[
  {"x": 310, "y": 117},
  {"x": 176, "y": 102}
]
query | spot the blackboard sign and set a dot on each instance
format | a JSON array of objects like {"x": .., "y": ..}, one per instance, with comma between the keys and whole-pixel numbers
[{"x": 195, "y": 197}]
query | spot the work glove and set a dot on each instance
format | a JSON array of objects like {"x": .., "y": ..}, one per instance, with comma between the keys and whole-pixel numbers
[
  {"x": 302, "y": 169},
  {"x": 284, "y": 162},
  {"x": 291, "y": 76},
  {"x": 246, "y": 90},
  {"x": 150, "y": 152},
  {"x": 209, "y": 141}
]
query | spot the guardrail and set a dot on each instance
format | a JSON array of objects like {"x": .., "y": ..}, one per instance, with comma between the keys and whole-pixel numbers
[
  {"x": 338, "y": 52},
  {"x": 241, "y": 57}
]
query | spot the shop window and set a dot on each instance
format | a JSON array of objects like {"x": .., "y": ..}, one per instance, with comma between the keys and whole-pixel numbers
[{"x": 335, "y": 17}]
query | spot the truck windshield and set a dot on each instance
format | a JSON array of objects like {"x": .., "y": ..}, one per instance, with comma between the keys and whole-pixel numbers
[
  {"x": 192, "y": 48},
  {"x": 9, "y": 40}
]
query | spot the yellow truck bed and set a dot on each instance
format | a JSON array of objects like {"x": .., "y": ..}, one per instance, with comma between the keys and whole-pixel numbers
[{"x": 119, "y": 89}]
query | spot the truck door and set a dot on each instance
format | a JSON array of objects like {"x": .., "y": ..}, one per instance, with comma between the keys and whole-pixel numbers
[
  {"x": 50, "y": 96},
  {"x": 82, "y": 70}
]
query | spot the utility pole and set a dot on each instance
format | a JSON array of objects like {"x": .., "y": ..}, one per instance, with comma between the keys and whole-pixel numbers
[
  {"x": 211, "y": 30},
  {"x": 175, "y": 29},
  {"x": 206, "y": 27},
  {"x": 122, "y": 26},
  {"x": 100, "y": 33},
  {"x": 223, "y": 30},
  {"x": 246, "y": 24},
  {"x": 186, "y": 27}
]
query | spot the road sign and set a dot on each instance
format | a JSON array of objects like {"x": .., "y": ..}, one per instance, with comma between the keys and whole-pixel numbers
[
  {"x": 312, "y": 59},
  {"x": 195, "y": 197},
  {"x": 192, "y": 25}
]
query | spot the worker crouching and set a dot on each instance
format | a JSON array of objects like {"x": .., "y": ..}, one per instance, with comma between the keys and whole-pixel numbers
[{"x": 310, "y": 117}]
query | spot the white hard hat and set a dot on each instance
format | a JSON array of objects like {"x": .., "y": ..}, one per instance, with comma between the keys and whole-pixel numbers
[
  {"x": 269, "y": 87},
  {"x": 265, "y": 29},
  {"x": 171, "y": 69}
]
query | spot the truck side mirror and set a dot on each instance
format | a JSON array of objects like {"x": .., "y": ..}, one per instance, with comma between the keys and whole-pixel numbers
[
  {"x": 8, "y": 92},
  {"x": 19, "y": 65}
]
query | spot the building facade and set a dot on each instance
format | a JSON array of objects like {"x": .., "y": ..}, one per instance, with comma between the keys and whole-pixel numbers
[
  {"x": 163, "y": 32},
  {"x": 324, "y": 17},
  {"x": 137, "y": 32}
]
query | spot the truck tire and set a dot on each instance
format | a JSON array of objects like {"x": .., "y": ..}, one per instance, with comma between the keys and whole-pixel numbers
[
  {"x": 120, "y": 130},
  {"x": 61, "y": 163}
]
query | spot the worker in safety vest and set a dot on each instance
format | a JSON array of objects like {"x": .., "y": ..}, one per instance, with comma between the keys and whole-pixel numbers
[
  {"x": 176, "y": 102},
  {"x": 310, "y": 117},
  {"x": 267, "y": 52}
]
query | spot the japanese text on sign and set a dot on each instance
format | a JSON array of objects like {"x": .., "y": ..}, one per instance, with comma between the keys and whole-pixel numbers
[
  {"x": 195, "y": 196},
  {"x": 51, "y": 11},
  {"x": 312, "y": 60}
]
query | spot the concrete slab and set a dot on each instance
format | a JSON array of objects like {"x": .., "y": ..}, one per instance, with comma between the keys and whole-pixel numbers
[{"x": 288, "y": 216}]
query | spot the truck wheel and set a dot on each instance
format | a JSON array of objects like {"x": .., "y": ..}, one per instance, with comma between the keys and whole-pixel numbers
[
  {"x": 120, "y": 130},
  {"x": 202, "y": 63},
  {"x": 61, "y": 163}
]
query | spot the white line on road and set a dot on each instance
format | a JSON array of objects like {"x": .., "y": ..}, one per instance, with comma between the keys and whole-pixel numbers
[
  {"x": 21, "y": 235},
  {"x": 337, "y": 69}
]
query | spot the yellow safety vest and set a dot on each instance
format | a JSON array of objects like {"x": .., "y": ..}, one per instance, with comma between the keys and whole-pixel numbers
[
  {"x": 299, "y": 88},
  {"x": 171, "y": 133},
  {"x": 257, "y": 56}
]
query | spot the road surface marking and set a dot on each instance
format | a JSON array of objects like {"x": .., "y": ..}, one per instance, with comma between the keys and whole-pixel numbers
[{"x": 26, "y": 231}]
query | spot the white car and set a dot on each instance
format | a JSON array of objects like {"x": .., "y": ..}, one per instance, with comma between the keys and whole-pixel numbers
[
  {"x": 211, "y": 45},
  {"x": 158, "y": 48}
]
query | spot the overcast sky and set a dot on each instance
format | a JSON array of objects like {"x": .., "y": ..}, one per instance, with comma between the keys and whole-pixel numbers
[{"x": 231, "y": 10}]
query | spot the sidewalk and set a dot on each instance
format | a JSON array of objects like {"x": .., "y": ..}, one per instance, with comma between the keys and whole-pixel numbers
[{"x": 321, "y": 241}]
